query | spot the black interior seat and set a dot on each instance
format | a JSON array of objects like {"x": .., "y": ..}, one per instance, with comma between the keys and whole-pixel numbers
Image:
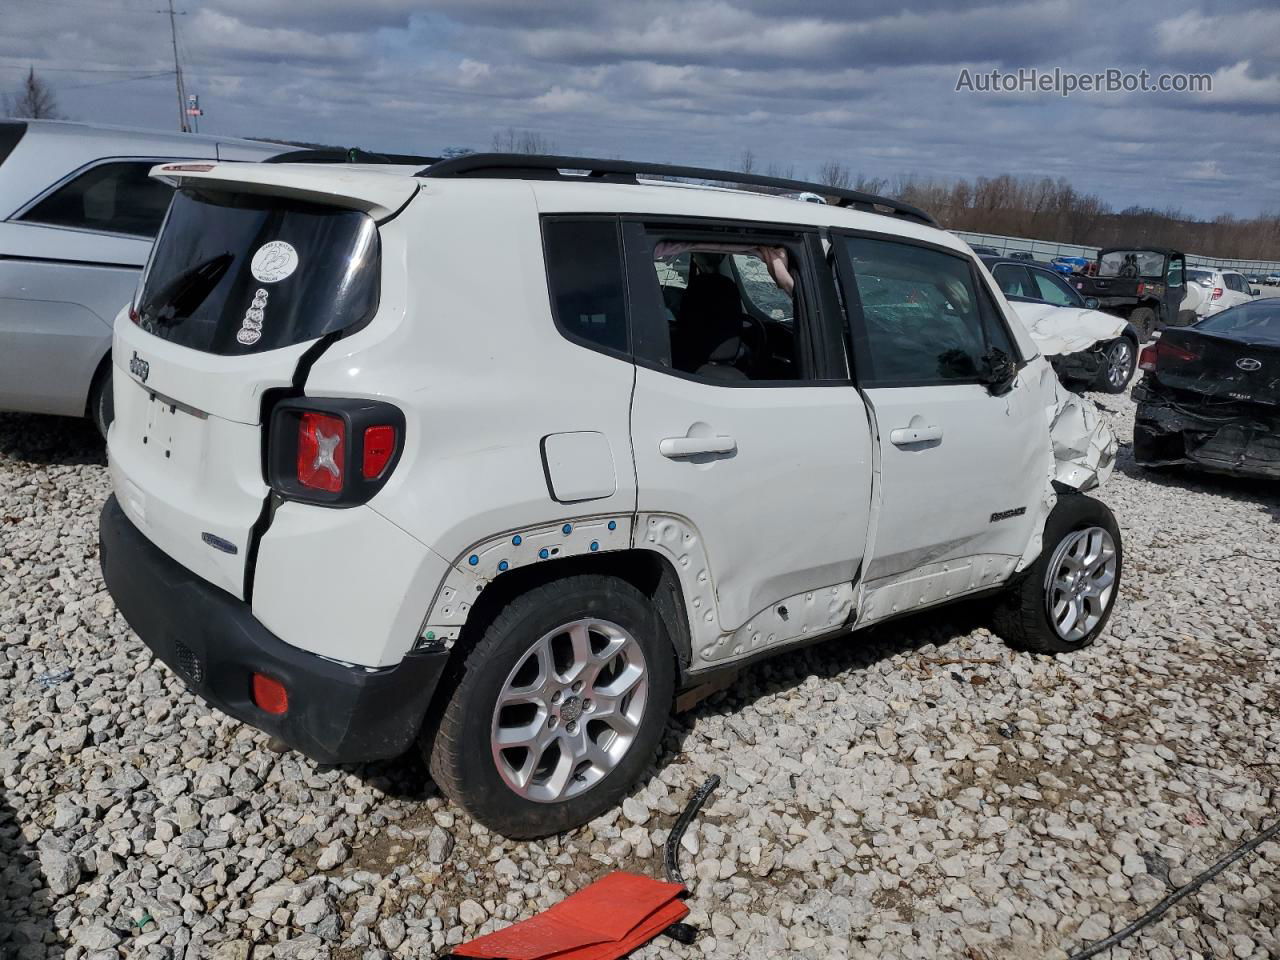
[{"x": 708, "y": 329}]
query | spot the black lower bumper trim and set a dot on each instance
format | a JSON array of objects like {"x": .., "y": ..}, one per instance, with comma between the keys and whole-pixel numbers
[{"x": 336, "y": 713}]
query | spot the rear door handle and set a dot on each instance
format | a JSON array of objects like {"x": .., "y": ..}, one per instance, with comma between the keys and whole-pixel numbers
[
  {"x": 676, "y": 447},
  {"x": 905, "y": 436}
]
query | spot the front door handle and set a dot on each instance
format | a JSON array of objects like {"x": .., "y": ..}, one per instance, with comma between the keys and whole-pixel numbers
[
  {"x": 905, "y": 436},
  {"x": 676, "y": 447}
]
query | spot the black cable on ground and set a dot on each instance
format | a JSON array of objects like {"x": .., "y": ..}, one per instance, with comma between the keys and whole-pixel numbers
[
  {"x": 684, "y": 932},
  {"x": 1195, "y": 884},
  {"x": 672, "y": 851}
]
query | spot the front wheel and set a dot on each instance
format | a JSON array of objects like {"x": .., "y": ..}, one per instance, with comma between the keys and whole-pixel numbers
[
  {"x": 1064, "y": 600},
  {"x": 1120, "y": 360},
  {"x": 560, "y": 707}
]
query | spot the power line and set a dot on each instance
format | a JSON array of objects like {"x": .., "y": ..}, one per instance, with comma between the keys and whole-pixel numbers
[
  {"x": 105, "y": 83},
  {"x": 29, "y": 66}
]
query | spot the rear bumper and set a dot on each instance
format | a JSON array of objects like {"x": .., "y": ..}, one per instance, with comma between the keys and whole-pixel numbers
[
  {"x": 1243, "y": 446},
  {"x": 336, "y": 713}
]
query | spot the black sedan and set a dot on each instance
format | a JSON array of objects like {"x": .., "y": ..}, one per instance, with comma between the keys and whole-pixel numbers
[{"x": 1210, "y": 396}]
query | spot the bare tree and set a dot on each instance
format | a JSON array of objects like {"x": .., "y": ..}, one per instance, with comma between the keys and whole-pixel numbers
[
  {"x": 512, "y": 140},
  {"x": 780, "y": 172},
  {"x": 833, "y": 173},
  {"x": 34, "y": 100},
  {"x": 748, "y": 162}
]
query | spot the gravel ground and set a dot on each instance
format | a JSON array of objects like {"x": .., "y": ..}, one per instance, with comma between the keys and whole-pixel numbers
[{"x": 918, "y": 791}]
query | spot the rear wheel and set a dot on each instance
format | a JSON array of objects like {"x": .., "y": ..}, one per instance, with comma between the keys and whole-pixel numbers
[
  {"x": 1144, "y": 321},
  {"x": 102, "y": 406},
  {"x": 1063, "y": 602},
  {"x": 1121, "y": 359},
  {"x": 560, "y": 707}
]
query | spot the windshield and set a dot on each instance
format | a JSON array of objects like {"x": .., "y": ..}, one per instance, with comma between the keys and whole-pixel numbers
[
  {"x": 1131, "y": 263},
  {"x": 233, "y": 274},
  {"x": 1256, "y": 322}
]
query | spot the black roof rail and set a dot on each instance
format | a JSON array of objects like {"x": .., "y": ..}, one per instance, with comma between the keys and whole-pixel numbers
[
  {"x": 351, "y": 155},
  {"x": 524, "y": 166}
]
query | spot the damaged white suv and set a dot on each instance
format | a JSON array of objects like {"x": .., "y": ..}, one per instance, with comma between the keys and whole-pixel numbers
[{"x": 497, "y": 455}]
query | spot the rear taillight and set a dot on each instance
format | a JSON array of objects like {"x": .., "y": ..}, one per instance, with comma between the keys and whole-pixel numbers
[
  {"x": 334, "y": 452},
  {"x": 1162, "y": 353},
  {"x": 379, "y": 447},
  {"x": 134, "y": 316},
  {"x": 1142, "y": 288},
  {"x": 321, "y": 451},
  {"x": 1217, "y": 292}
]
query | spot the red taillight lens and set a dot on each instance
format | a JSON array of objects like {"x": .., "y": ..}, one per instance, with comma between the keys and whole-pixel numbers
[
  {"x": 1217, "y": 292},
  {"x": 321, "y": 449},
  {"x": 269, "y": 694},
  {"x": 1171, "y": 351},
  {"x": 379, "y": 447},
  {"x": 1142, "y": 288},
  {"x": 1164, "y": 353}
]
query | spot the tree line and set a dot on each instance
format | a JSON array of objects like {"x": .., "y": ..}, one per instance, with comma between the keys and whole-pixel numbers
[{"x": 1048, "y": 209}]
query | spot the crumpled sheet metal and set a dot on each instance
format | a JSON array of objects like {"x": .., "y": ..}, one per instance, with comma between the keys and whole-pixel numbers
[
  {"x": 1084, "y": 445},
  {"x": 1058, "y": 331}
]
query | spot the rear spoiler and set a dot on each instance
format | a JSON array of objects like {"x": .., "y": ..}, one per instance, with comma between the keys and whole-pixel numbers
[{"x": 380, "y": 194}]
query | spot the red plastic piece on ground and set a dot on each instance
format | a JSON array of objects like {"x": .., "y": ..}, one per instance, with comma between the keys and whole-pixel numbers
[{"x": 604, "y": 921}]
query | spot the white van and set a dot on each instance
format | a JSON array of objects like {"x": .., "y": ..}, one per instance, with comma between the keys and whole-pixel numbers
[{"x": 497, "y": 455}]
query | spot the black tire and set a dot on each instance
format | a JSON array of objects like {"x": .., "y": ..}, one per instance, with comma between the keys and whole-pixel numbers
[
  {"x": 102, "y": 402},
  {"x": 459, "y": 752},
  {"x": 1021, "y": 616},
  {"x": 1119, "y": 352},
  {"x": 1144, "y": 321}
]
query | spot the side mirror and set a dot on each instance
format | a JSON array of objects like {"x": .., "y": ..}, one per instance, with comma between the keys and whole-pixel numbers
[
  {"x": 1092, "y": 303},
  {"x": 999, "y": 372},
  {"x": 1253, "y": 291}
]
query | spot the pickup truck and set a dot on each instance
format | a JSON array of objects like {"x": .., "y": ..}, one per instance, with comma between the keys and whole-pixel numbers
[{"x": 1145, "y": 285}]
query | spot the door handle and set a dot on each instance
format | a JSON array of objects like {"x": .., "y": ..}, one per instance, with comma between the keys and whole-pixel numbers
[
  {"x": 905, "y": 436},
  {"x": 676, "y": 447}
]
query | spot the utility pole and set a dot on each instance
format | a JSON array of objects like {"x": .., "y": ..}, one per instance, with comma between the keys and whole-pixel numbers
[{"x": 177, "y": 67}]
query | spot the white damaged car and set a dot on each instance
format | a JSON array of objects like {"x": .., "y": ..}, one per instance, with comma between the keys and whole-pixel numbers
[
  {"x": 1089, "y": 348},
  {"x": 496, "y": 456}
]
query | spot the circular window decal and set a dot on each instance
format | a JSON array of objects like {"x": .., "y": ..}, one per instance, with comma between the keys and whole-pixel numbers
[{"x": 273, "y": 262}]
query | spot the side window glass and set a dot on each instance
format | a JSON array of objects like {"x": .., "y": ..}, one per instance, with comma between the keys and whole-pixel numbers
[
  {"x": 1175, "y": 272},
  {"x": 584, "y": 269},
  {"x": 922, "y": 319},
  {"x": 111, "y": 197},
  {"x": 731, "y": 309},
  {"x": 1052, "y": 290},
  {"x": 1012, "y": 281}
]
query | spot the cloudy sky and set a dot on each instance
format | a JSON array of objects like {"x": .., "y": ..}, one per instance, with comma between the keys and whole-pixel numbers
[{"x": 700, "y": 81}]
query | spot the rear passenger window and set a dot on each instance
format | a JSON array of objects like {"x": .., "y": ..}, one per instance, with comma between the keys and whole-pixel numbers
[
  {"x": 732, "y": 309},
  {"x": 584, "y": 270},
  {"x": 117, "y": 197},
  {"x": 1013, "y": 281},
  {"x": 923, "y": 320}
]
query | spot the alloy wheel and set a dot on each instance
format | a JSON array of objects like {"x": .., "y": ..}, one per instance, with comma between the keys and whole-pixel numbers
[
  {"x": 570, "y": 710},
  {"x": 1080, "y": 581}
]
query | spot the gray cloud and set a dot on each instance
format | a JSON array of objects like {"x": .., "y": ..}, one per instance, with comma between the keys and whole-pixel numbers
[{"x": 699, "y": 81}]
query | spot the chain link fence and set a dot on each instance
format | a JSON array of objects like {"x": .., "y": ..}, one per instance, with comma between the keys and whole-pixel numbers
[{"x": 1048, "y": 249}]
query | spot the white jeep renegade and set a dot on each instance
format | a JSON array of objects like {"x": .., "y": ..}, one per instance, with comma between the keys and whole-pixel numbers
[{"x": 498, "y": 455}]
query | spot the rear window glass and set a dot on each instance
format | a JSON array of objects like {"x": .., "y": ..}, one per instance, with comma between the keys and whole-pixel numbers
[
  {"x": 10, "y": 134},
  {"x": 236, "y": 274}
]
